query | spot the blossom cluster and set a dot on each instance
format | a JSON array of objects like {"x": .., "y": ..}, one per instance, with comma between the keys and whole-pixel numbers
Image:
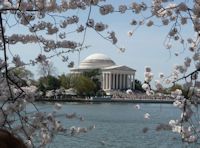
[
  {"x": 48, "y": 44},
  {"x": 99, "y": 26},
  {"x": 47, "y": 5}
]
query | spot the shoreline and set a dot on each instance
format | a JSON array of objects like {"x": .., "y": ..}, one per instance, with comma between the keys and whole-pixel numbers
[{"x": 164, "y": 101}]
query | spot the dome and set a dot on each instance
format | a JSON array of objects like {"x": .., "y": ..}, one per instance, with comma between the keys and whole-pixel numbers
[{"x": 95, "y": 61}]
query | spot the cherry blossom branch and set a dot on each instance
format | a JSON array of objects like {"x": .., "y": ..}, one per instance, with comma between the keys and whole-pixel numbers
[
  {"x": 5, "y": 55},
  {"x": 188, "y": 75}
]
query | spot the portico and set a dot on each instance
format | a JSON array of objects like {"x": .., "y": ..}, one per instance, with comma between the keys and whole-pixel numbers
[
  {"x": 118, "y": 78},
  {"x": 117, "y": 81}
]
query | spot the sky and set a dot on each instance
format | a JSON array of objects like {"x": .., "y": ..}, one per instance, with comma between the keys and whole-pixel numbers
[{"x": 144, "y": 48}]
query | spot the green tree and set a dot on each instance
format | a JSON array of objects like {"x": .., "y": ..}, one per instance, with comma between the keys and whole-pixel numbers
[
  {"x": 94, "y": 75},
  {"x": 48, "y": 83},
  {"x": 138, "y": 85},
  {"x": 66, "y": 81},
  {"x": 84, "y": 85}
]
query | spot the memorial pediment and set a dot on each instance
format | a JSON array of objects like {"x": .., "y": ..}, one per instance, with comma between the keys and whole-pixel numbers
[{"x": 120, "y": 68}]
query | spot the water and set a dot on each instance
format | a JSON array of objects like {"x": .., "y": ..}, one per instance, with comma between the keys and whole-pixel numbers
[{"x": 118, "y": 126}]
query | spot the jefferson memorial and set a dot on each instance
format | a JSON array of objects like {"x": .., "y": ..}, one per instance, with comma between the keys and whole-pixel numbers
[{"x": 113, "y": 77}]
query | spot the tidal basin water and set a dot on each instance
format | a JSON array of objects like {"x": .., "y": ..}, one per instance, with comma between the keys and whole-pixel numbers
[{"x": 118, "y": 126}]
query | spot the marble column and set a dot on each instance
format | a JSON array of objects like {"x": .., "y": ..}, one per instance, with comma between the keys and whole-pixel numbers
[
  {"x": 120, "y": 86},
  {"x": 106, "y": 82},
  {"x": 112, "y": 77},
  {"x": 124, "y": 81},
  {"x": 110, "y": 81},
  {"x": 117, "y": 76},
  {"x": 129, "y": 81},
  {"x": 126, "y": 84},
  {"x": 113, "y": 80},
  {"x": 121, "y": 79},
  {"x": 103, "y": 82}
]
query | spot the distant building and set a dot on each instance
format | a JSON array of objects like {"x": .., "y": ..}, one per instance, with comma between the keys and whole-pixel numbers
[{"x": 114, "y": 77}]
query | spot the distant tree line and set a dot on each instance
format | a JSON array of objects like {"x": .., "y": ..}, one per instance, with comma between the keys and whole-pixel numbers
[{"x": 86, "y": 84}]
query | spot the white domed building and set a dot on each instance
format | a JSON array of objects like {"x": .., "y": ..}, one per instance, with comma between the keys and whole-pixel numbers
[{"x": 114, "y": 77}]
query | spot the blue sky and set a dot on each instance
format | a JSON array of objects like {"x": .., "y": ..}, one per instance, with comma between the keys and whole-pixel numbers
[{"x": 144, "y": 48}]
